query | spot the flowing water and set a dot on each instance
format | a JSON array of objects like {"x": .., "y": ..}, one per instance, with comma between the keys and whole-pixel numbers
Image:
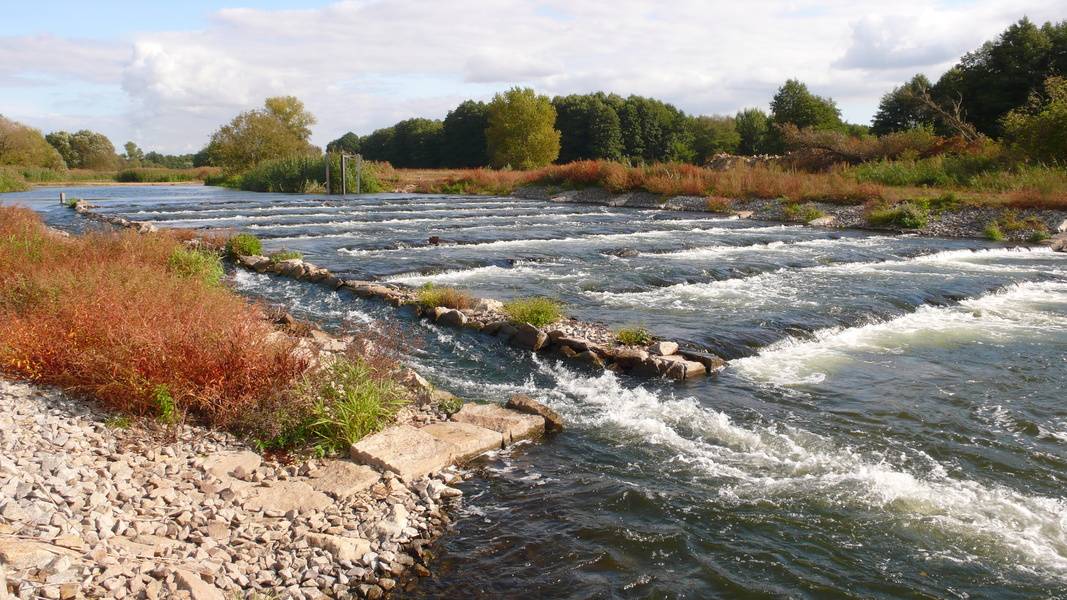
[{"x": 893, "y": 422}]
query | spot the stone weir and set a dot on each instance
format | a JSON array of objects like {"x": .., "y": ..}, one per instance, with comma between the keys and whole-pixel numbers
[{"x": 588, "y": 344}]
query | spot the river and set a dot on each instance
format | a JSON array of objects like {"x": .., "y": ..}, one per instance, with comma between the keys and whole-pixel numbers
[{"x": 892, "y": 423}]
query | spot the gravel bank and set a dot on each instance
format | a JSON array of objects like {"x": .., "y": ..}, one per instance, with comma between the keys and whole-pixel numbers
[{"x": 91, "y": 509}]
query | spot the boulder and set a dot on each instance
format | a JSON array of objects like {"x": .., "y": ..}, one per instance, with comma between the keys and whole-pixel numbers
[
  {"x": 284, "y": 496},
  {"x": 826, "y": 221},
  {"x": 506, "y": 331},
  {"x": 255, "y": 262},
  {"x": 526, "y": 404},
  {"x": 405, "y": 450},
  {"x": 575, "y": 343},
  {"x": 529, "y": 337},
  {"x": 628, "y": 358},
  {"x": 470, "y": 440},
  {"x": 513, "y": 425},
  {"x": 686, "y": 369},
  {"x": 567, "y": 351},
  {"x": 293, "y": 267},
  {"x": 589, "y": 358},
  {"x": 710, "y": 361},
  {"x": 493, "y": 328},
  {"x": 342, "y": 479},
  {"x": 351, "y": 549},
  {"x": 146, "y": 228},
  {"x": 315, "y": 274},
  {"x": 367, "y": 289},
  {"x": 744, "y": 214},
  {"x": 1058, "y": 242},
  {"x": 198, "y": 588},
  {"x": 663, "y": 348},
  {"x": 1063, "y": 227},
  {"x": 452, "y": 318}
]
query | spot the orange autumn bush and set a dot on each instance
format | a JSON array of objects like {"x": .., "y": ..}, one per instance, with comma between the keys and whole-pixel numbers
[{"x": 102, "y": 314}]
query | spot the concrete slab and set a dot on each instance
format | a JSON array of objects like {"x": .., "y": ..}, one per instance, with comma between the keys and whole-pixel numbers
[
  {"x": 284, "y": 496},
  {"x": 405, "y": 450},
  {"x": 469, "y": 440},
  {"x": 341, "y": 478},
  {"x": 513, "y": 425}
]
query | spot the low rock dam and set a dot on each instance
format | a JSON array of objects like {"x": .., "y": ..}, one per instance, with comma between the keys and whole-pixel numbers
[{"x": 890, "y": 421}]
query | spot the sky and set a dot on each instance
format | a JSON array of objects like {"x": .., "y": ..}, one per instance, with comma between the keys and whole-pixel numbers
[{"x": 167, "y": 74}]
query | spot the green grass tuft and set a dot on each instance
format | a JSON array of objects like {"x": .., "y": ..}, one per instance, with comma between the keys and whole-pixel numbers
[
  {"x": 279, "y": 256},
  {"x": 432, "y": 296},
  {"x": 196, "y": 264},
  {"x": 633, "y": 336},
  {"x": 244, "y": 244},
  {"x": 993, "y": 232},
  {"x": 538, "y": 312},
  {"x": 905, "y": 216}
]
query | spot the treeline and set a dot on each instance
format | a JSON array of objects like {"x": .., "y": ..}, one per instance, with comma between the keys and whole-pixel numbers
[
  {"x": 977, "y": 97},
  {"x": 24, "y": 146}
]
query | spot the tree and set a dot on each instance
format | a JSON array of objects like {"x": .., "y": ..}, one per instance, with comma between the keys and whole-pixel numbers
[
  {"x": 521, "y": 131},
  {"x": 84, "y": 149},
  {"x": 903, "y": 108},
  {"x": 133, "y": 155},
  {"x": 275, "y": 131},
  {"x": 379, "y": 145},
  {"x": 347, "y": 143},
  {"x": 752, "y": 126},
  {"x": 24, "y": 146},
  {"x": 654, "y": 131},
  {"x": 589, "y": 128},
  {"x": 1004, "y": 73},
  {"x": 417, "y": 143},
  {"x": 795, "y": 104},
  {"x": 1039, "y": 128},
  {"x": 712, "y": 135},
  {"x": 290, "y": 111},
  {"x": 463, "y": 137}
]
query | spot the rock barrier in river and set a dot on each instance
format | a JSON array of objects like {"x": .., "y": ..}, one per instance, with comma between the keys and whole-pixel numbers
[{"x": 586, "y": 344}]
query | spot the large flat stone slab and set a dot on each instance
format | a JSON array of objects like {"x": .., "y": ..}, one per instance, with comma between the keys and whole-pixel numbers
[
  {"x": 341, "y": 478},
  {"x": 469, "y": 440},
  {"x": 20, "y": 555},
  {"x": 283, "y": 496},
  {"x": 405, "y": 450},
  {"x": 513, "y": 425},
  {"x": 231, "y": 464}
]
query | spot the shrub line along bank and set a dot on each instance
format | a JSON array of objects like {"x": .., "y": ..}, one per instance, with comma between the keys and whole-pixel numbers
[{"x": 583, "y": 343}]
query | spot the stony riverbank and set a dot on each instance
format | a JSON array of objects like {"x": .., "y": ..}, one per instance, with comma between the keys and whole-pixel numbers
[{"x": 965, "y": 222}]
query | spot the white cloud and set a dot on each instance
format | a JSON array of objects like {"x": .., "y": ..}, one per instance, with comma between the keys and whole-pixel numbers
[{"x": 363, "y": 64}]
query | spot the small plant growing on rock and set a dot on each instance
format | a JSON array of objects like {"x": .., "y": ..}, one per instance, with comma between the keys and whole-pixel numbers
[
  {"x": 244, "y": 244},
  {"x": 994, "y": 232},
  {"x": 196, "y": 264},
  {"x": 450, "y": 405},
  {"x": 802, "y": 213},
  {"x": 279, "y": 256},
  {"x": 1038, "y": 236},
  {"x": 350, "y": 399},
  {"x": 538, "y": 312},
  {"x": 633, "y": 336},
  {"x": 431, "y": 296},
  {"x": 905, "y": 216}
]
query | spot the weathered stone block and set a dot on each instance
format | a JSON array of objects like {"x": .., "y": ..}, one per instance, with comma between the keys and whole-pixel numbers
[
  {"x": 452, "y": 317},
  {"x": 284, "y": 496},
  {"x": 341, "y": 478},
  {"x": 469, "y": 440},
  {"x": 223, "y": 465},
  {"x": 342, "y": 548},
  {"x": 409, "y": 452},
  {"x": 513, "y": 425},
  {"x": 526, "y": 404},
  {"x": 529, "y": 337},
  {"x": 710, "y": 361},
  {"x": 663, "y": 348}
]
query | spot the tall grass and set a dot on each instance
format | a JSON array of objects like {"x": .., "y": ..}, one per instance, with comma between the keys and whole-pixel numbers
[
  {"x": 105, "y": 314},
  {"x": 432, "y": 296},
  {"x": 302, "y": 175},
  {"x": 11, "y": 180},
  {"x": 164, "y": 175}
]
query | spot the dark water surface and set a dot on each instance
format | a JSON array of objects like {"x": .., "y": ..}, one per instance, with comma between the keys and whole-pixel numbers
[{"x": 894, "y": 423}]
